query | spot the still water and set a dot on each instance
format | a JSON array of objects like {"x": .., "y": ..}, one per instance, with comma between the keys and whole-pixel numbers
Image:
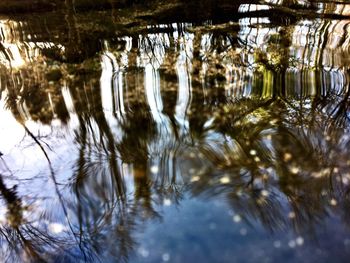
[{"x": 130, "y": 135}]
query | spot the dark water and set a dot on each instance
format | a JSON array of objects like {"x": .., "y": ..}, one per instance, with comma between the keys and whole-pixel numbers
[{"x": 216, "y": 134}]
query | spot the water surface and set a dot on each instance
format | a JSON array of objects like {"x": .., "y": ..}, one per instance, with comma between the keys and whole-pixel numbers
[{"x": 220, "y": 134}]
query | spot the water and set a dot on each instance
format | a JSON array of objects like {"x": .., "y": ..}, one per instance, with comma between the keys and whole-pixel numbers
[{"x": 144, "y": 134}]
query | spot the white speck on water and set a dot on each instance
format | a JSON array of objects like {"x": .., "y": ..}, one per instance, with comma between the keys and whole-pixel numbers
[
  {"x": 257, "y": 159},
  {"x": 299, "y": 241},
  {"x": 143, "y": 252},
  {"x": 333, "y": 202},
  {"x": 195, "y": 179},
  {"x": 212, "y": 226},
  {"x": 243, "y": 231},
  {"x": 166, "y": 257},
  {"x": 265, "y": 193},
  {"x": 237, "y": 218},
  {"x": 294, "y": 170},
  {"x": 287, "y": 157},
  {"x": 225, "y": 180},
  {"x": 277, "y": 244},
  {"x": 292, "y": 244},
  {"x": 167, "y": 202},
  {"x": 56, "y": 228},
  {"x": 291, "y": 215},
  {"x": 154, "y": 169},
  {"x": 253, "y": 152}
]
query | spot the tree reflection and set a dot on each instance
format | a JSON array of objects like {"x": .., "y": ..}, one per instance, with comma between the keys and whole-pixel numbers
[{"x": 255, "y": 110}]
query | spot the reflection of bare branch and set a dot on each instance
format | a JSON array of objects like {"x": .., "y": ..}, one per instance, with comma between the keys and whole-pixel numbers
[{"x": 52, "y": 174}]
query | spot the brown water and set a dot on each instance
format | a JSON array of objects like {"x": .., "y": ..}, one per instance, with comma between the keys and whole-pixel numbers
[{"x": 216, "y": 134}]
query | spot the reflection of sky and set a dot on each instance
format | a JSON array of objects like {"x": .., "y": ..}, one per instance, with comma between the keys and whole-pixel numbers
[{"x": 205, "y": 231}]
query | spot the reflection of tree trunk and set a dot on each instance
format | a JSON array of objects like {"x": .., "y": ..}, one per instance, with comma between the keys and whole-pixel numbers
[
  {"x": 81, "y": 175},
  {"x": 112, "y": 158},
  {"x": 198, "y": 105},
  {"x": 72, "y": 48},
  {"x": 113, "y": 11},
  {"x": 143, "y": 185},
  {"x": 105, "y": 133},
  {"x": 71, "y": 21},
  {"x": 280, "y": 73}
]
